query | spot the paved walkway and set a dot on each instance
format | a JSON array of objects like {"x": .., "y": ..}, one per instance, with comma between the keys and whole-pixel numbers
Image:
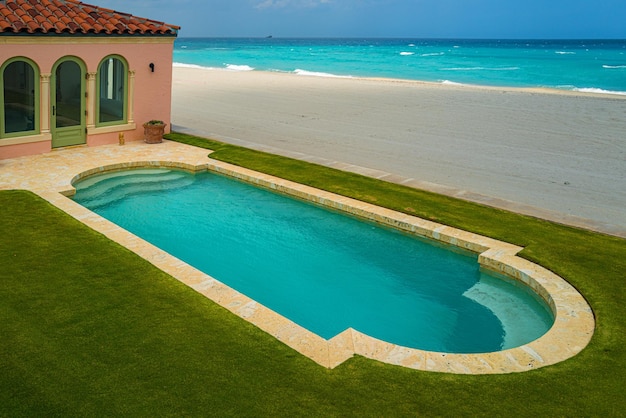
[{"x": 53, "y": 172}]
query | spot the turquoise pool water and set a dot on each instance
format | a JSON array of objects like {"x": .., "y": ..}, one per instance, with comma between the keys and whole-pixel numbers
[{"x": 323, "y": 270}]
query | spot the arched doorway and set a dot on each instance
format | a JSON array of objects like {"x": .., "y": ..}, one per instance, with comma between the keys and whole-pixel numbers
[{"x": 68, "y": 120}]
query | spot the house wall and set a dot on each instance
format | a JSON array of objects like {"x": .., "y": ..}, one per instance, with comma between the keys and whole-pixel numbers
[{"x": 150, "y": 96}]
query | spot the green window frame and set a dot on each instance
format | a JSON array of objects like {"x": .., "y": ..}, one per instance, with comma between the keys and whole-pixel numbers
[
  {"x": 19, "y": 98},
  {"x": 112, "y": 91}
]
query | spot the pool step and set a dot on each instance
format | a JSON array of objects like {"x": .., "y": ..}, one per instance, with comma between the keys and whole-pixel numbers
[{"x": 111, "y": 188}]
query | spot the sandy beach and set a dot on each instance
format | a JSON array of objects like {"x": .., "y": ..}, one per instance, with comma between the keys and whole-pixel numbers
[{"x": 555, "y": 155}]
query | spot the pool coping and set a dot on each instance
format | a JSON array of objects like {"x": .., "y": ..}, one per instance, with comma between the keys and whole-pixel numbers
[{"x": 571, "y": 332}]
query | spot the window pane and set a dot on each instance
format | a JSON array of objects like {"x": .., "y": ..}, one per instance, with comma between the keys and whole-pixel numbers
[
  {"x": 68, "y": 94},
  {"x": 19, "y": 97},
  {"x": 112, "y": 90}
]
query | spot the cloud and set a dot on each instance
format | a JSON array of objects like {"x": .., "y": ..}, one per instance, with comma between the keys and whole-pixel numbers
[{"x": 277, "y": 4}]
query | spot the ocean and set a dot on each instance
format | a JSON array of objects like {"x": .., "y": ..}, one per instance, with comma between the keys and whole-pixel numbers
[{"x": 580, "y": 65}]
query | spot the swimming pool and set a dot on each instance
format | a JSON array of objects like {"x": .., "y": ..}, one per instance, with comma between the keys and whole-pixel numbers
[{"x": 323, "y": 270}]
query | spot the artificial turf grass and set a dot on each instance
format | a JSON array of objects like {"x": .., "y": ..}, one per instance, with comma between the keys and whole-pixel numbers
[
  {"x": 126, "y": 354},
  {"x": 88, "y": 327}
]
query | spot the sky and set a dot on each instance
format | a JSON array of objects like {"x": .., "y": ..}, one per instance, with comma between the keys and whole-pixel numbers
[{"x": 495, "y": 19}]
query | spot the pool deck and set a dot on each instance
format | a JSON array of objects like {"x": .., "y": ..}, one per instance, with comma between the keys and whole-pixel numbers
[{"x": 51, "y": 175}]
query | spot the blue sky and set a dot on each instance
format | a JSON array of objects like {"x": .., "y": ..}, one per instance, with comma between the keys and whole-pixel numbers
[{"x": 386, "y": 18}]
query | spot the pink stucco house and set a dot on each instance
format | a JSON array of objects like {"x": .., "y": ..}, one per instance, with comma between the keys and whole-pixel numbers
[{"x": 73, "y": 74}]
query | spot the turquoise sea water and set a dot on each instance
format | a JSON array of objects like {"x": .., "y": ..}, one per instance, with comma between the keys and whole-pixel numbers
[
  {"x": 321, "y": 269},
  {"x": 585, "y": 65}
]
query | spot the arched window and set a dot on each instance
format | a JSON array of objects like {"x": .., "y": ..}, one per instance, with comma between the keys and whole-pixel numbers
[
  {"x": 19, "y": 98},
  {"x": 112, "y": 91}
]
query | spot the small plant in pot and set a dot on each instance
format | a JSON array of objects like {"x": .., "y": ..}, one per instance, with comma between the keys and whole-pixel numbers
[{"x": 153, "y": 131}]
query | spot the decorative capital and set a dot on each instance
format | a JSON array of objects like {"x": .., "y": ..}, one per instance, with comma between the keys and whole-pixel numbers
[
  {"x": 91, "y": 76},
  {"x": 45, "y": 77}
]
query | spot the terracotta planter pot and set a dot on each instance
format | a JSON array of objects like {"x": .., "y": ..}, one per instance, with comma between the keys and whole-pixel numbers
[{"x": 153, "y": 134}]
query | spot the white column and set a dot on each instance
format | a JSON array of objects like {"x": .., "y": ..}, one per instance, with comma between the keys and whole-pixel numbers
[
  {"x": 131, "y": 96},
  {"x": 44, "y": 103},
  {"x": 92, "y": 94}
]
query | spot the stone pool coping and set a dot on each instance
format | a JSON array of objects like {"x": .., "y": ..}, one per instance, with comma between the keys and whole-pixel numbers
[{"x": 51, "y": 176}]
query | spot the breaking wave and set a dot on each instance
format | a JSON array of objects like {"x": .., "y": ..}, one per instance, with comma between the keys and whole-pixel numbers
[
  {"x": 183, "y": 65},
  {"x": 594, "y": 90},
  {"x": 233, "y": 67},
  {"x": 452, "y": 83},
  {"x": 319, "y": 74}
]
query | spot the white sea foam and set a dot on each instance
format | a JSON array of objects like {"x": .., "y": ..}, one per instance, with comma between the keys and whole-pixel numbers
[
  {"x": 318, "y": 74},
  {"x": 613, "y": 67},
  {"x": 228, "y": 67},
  {"x": 407, "y": 53},
  {"x": 565, "y": 53},
  {"x": 433, "y": 54},
  {"x": 452, "y": 83},
  {"x": 182, "y": 65},
  {"x": 233, "y": 67},
  {"x": 594, "y": 90}
]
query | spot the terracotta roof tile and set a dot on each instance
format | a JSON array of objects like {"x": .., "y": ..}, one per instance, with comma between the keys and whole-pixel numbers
[
  {"x": 47, "y": 26},
  {"x": 73, "y": 16},
  {"x": 33, "y": 26}
]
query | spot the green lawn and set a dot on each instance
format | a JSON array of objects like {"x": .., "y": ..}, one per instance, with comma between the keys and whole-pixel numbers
[{"x": 89, "y": 329}]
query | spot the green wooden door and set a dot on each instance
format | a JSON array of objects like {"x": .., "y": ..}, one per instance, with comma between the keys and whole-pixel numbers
[{"x": 68, "y": 104}]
